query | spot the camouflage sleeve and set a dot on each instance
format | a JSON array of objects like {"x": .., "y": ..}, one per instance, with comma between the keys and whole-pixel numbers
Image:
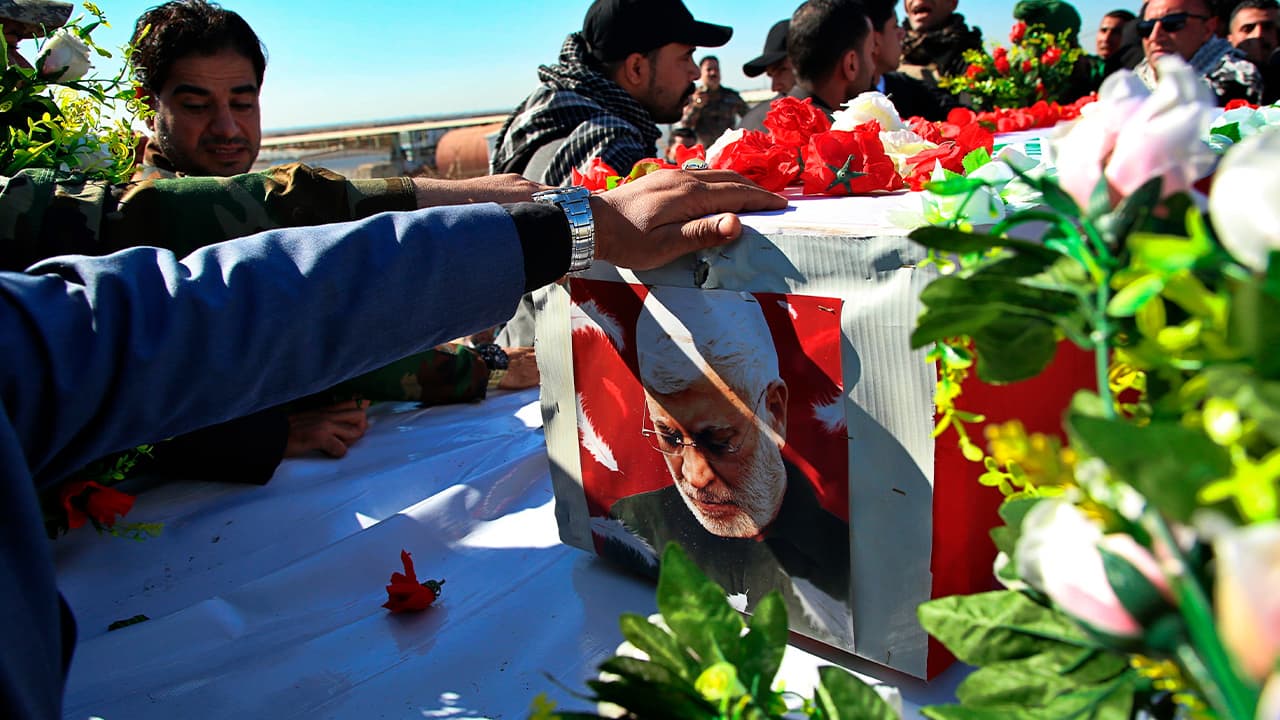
[{"x": 42, "y": 215}]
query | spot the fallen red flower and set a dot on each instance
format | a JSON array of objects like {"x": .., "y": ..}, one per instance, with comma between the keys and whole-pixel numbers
[
  {"x": 596, "y": 178},
  {"x": 406, "y": 594},
  {"x": 85, "y": 499}
]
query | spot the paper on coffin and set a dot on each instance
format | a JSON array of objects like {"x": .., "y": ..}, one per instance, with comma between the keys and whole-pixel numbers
[{"x": 821, "y": 299}]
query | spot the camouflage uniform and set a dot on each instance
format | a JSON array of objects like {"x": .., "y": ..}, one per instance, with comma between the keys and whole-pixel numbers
[
  {"x": 718, "y": 111},
  {"x": 43, "y": 214},
  {"x": 32, "y": 18}
]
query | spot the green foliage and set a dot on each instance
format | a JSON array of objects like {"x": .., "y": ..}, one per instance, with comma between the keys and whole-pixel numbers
[
  {"x": 1037, "y": 66},
  {"x": 82, "y": 126},
  {"x": 1033, "y": 661},
  {"x": 703, "y": 662}
]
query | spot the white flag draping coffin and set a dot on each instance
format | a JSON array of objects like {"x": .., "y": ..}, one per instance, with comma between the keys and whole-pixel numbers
[{"x": 760, "y": 404}]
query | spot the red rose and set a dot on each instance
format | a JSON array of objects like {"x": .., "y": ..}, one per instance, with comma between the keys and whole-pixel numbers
[
  {"x": 596, "y": 178},
  {"x": 1016, "y": 34},
  {"x": 1239, "y": 103},
  {"x": 1045, "y": 114},
  {"x": 405, "y": 593},
  {"x": 1051, "y": 57},
  {"x": 1001, "y": 64},
  {"x": 973, "y": 71},
  {"x": 84, "y": 500},
  {"x": 920, "y": 166},
  {"x": 961, "y": 116},
  {"x": 1000, "y": 53},
  {"x": 1040, "y": 91},
  {"x": 697, "y": 152},
  {"x": 757, "y": 158},
  {"x": 792, "y": 122},
  {"x": 1027, "y": 66},
  {"x": 972, "y": 137},
  {"x": 848, "y": 163}
]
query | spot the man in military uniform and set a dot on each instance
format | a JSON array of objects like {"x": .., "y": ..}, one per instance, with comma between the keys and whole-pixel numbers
[
  {"x": 713, "y": 108},
  {"x": 25, "y": 19}
]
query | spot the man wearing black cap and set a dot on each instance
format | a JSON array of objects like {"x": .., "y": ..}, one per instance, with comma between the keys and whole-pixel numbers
[
  {"x": 630, "y": 68},
  {"x": 774, "y": 62}
]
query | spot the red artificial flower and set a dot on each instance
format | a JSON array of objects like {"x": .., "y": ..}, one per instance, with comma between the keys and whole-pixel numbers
[
  {"x": 792, "y": 122},
  {"x": 406, "y": 594},
  {"x": 1240, "y": 103},
  {"x": 972, "y": 137},
  {"x": 1027, "y": 66},
  {"x": 961, "y": 116},
  {"x": 920, "y": 166},
  {"x": 596, "y": 178},
  {"x": 973, "y": 71},
  {"x": 849, "y": 163},
  {"x": 757, "y": 158},
  {"x": 1051, "y": 56},
  {"x": 85, "y": 499},
  {"x": 1001, "y": 63},
  {"x": 1040, "y": 91},
  {"x": 683, "y": 153},
  {"x": 1019, "y": 30},
  {"x": 1000, "y": 52},
  {"x": 928, "y": 131}
]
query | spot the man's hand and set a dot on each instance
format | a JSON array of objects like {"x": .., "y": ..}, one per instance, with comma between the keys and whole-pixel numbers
[
  {"x": 522, "y": 369},
  {"x": 508, "y": 188},
  {"x": 330, "y": 430},
  {"x": 650, "y": 222}
]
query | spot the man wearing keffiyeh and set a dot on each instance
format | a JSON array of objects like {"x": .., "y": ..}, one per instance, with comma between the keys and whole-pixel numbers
[{"x": 630, "y": 68}]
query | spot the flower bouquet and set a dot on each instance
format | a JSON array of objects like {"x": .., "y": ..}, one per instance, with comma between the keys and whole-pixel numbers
[
  {"x": 1036, "y": 66},
  {"x": 55, "y": 117},
  {"x": 1142, "y": 558}
]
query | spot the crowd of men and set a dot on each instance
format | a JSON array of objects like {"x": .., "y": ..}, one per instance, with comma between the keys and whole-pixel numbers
[{"x": 91, "y": 341}]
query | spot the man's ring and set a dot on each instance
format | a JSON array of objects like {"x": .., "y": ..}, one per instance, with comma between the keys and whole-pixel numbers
[{"x": 695, "y": 164}]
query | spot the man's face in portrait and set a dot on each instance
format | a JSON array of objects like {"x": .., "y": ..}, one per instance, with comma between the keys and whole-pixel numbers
[
  {"x": 723, "y": 453},
  {"x": 207, "y": 120}
]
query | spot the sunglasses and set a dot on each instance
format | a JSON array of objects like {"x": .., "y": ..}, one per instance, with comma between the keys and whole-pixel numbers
[{"x": 1173, "y": 22}]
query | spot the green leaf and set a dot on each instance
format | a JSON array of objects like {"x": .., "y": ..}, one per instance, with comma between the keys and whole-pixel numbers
[
  {"x": 1131, "y": 211},
  {"x": 942, "y": 323},
  {"x": 841, "y": 696},
  {"x": 1012, "y": 512},
  {"x": 1167, "y": 253},
  {"x": 1100, "y": 199},
  {"x": 695, "y": 608},
  {"x": 975, "y": 159},
  {"x": 1230, "y": 131},
  {"x": 650, "y": 690},
  {"x": 1014, "y": 348},
  {"x": 957, "y": 241},
  {"x": 957, "y": 185},
  {"x": 764, "y": 645},
  {"x": 1164, "y": 461},
  {"x": 1135, "y": 295},
  {"x": 1139, "y": 597},
  {"x": 1037, "y": 681},
  {"x": 996, "y": 626},
  {"x": 981, "y": 289},
  {"x": 660, "y": 646}
]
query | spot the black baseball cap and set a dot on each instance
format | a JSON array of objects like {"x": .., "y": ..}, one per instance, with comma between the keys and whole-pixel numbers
[
  {"x": 775, "y": 50},
  {"x": 616, "y": 28}
]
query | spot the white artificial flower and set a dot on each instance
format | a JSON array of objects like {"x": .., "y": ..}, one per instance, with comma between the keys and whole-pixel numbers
[
  {"x": 1242, "y": 202},
  {"x": 983, "y": 207},
  {"x": 900, "y": 145},
  {"x": 1131, "y": 134},
  {"x": 867, "y": 107},
  {"x": 64, "y": 58}
]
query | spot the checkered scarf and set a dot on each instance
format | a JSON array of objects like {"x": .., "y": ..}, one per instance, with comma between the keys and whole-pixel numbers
[{"x": 595, "y": 115}]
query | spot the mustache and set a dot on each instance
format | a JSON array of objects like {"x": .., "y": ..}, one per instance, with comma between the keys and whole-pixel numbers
[{"x": 221, "y": 143}]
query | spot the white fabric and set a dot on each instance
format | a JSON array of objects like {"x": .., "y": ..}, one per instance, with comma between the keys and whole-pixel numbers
[{"x": 265, "y": 601}]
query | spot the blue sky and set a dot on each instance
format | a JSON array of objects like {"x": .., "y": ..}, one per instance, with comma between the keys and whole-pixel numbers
[{"x": 335, "y": 62}]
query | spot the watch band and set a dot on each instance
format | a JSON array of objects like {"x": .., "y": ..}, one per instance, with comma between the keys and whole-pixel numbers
[
  {"x": 496, "y": 360},
  {"x": 575, "y": 201}
]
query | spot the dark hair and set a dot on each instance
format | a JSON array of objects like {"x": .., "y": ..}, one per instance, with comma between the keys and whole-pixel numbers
[
  {"x": 1253, "y": 5},
  {"x": 682, "y": 132},
  {"x": 880, "y": 12},
  {"x": 610, "y": 68},
  {"x": 1210, "y": 6},
  {"x": 822, "y": 31},
  {"x": 182, "y": 28},
  {"x": 704, "y": 60},
  {"x": 1121, "y": 15}
]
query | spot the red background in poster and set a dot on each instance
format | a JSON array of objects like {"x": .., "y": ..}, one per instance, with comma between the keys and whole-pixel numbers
[{"x": 806, "y": 334}]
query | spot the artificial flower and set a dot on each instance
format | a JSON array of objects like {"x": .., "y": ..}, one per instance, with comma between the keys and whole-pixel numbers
[
  {"x": 920, "y": 168},
  {"x": 683, "y": 153},
  {"x": 1017, "y": 32},
  {"x": 1131, "y": 135},
  {"x": 727, "y": 138},
  {"x": 1247, "y": 595},
  {"x": 1051, "y": 57},
  {"x": 792, "y": 122},
  {"x": 405, "y": 593},
  {"x": 865, "y": 108},
  {"x": 86, "y": 500},
  {"x": 1242, "y": 201},
  {"x": 596, "y": 178},
  {"x": 64, "y": 58},
  {"x": 754, "y": 156},
  {"x": 1240, "y": 122},
  {"x": 900, "y": 145},
  {"x": 849, "y": 163},
  {"x": 1059, "y": 555}
]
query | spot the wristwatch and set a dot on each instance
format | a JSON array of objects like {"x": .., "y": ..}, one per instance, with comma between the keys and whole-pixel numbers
[
  {"x": 575, "y": 201},
  {"x": 496, "y": 360}
]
